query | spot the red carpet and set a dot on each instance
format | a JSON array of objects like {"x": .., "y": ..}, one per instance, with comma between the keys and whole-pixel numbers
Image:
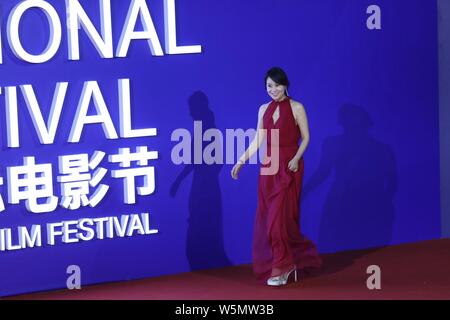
[{"x": 410, "y": 271}]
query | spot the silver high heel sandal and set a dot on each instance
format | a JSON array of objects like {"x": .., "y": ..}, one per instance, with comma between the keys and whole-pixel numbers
[{"x": 281, "y": 280}]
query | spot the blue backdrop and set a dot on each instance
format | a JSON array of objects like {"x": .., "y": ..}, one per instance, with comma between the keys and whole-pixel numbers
[{"x": 371, "y": 170}]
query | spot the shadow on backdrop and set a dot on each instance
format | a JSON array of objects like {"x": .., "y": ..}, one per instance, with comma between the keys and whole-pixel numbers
[
  {"x": 358, "y": 211},
  {"x": 204, "y": 243}
]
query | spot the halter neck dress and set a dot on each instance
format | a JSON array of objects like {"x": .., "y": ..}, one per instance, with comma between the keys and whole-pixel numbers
[{"x": 278, "y": 244}]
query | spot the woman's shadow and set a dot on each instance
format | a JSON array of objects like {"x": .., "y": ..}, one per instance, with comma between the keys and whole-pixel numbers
[
  {"x": 359, "y": 211},
  {"x": 204, "y": 242}
]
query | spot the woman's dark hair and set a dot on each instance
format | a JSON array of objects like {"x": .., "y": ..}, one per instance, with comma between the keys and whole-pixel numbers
[{"x": 278, "y": 76}]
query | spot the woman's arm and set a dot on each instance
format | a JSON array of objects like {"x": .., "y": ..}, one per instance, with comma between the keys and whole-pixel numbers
[
  {"x": 254, "y": 145},
  {"x": 258, "y": 139},
  {"x": 302, "y": 121}
]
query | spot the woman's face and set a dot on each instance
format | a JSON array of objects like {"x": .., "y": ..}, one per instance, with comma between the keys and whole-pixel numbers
[{"x": 276, "y": 91}]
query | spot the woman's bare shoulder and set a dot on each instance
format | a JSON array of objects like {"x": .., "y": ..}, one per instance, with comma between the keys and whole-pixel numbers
[
  {"x": 297, "y": 104},
  {"x": 297, "y": 107},
  {"x": 263, "y": 107}
]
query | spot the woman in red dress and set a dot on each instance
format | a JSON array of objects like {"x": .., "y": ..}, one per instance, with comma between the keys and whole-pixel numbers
[{"x": 279, "y": 249}]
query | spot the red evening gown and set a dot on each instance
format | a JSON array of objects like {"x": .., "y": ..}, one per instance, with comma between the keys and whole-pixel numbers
[{"x": 278, "y": 244}]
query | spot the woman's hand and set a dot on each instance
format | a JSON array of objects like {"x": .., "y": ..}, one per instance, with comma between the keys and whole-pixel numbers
[
  {"x": 235, "y": 171},
  {"x": 293, "y": 165}
]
